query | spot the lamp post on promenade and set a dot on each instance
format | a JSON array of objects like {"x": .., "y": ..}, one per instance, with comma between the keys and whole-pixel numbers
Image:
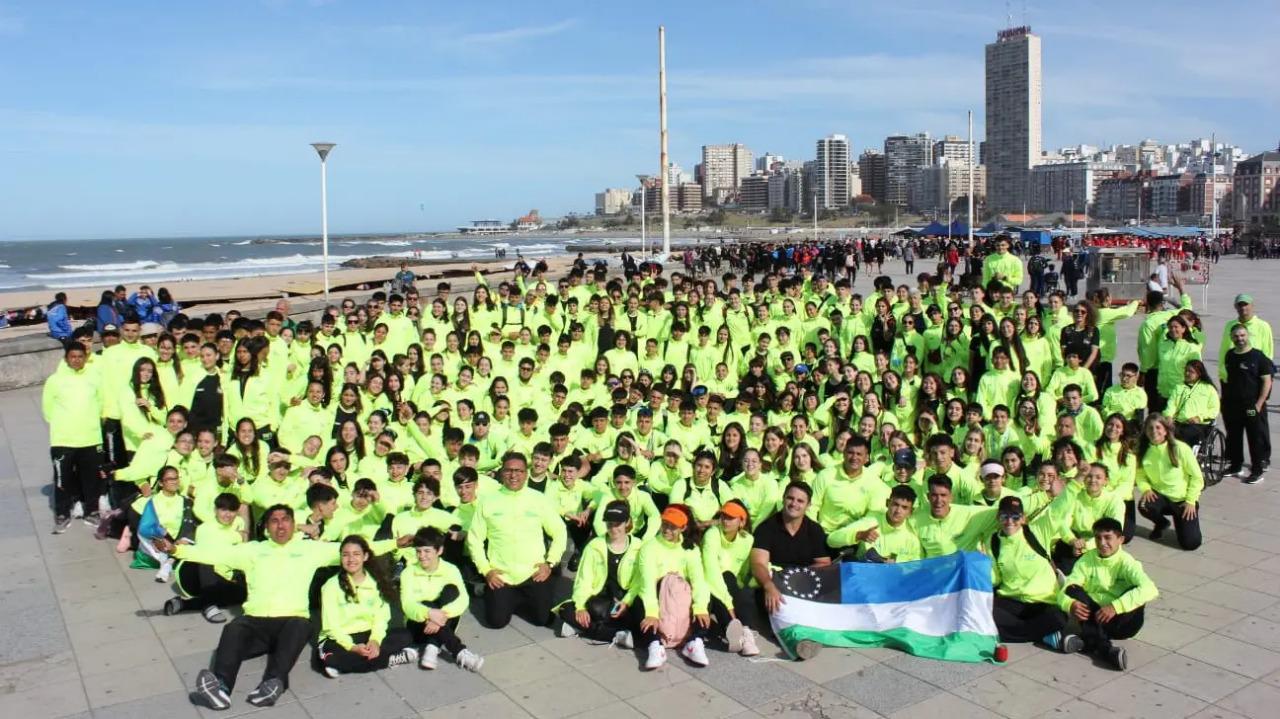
[
  {"x": 644, "y": 185},
  {"x": 323, "y": 149}
]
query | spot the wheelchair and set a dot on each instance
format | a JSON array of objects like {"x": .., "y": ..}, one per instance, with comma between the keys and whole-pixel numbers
[{"x": 1210, "y": 445}]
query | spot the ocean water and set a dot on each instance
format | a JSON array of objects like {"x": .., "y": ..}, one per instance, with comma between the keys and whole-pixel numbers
[{"x": 60, "y": 264}]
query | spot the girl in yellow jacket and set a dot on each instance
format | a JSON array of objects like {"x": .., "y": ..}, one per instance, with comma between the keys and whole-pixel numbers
[
  {"x": 1170, "y": 481},
  {"x": 605, "y": 574},
  {"x": 670, "y": 565},
  {"x": 355, "y": 611}
]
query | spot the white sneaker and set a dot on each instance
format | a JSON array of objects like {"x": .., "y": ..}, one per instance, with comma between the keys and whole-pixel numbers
[
  {"x": 733, "y": 635},
  {"x": 622, "y": 638},
  {"x": 331, "y": 673},
  {"x": 104, "y": 505},
  {"x": 695, "y": 651},
  {"x": 749, "y": 648},
  {"x": 166, "y": 571},
  {"x": 77, "y": 510},
  {"x": 430, "y": 657},
  {"x": 469, "y": 660},
  {"x": 408, "y": 655},
  {"x": 657, "y": 656},
  {"x": 566, "y": 631}
]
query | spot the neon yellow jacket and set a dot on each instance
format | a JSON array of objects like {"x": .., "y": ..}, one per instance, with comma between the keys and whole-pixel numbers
[
  {"x": 418, "y": 586},
  {"x": 278, "y": 576},
  {"x": 720, "y": 555},
  {"x": 341, "y": 618},
  {"x": 1002, "y": 264},
  {"x": 1125, "y": 401},
  {"x": 839, "y": 499},
  {"x": 1118, "y": 581},
  {"x": 513, "y": 524},
  {"x": 1182, "y": 483},
  {"x": 71, "y": 403},
  {"x": 1199, "y": 402},
  {"x": 1021, "y": 573},
  {"x": 304, "y": 420},
  {"x": 593, "y": 570},
  {"x": 657, "y": 559}
]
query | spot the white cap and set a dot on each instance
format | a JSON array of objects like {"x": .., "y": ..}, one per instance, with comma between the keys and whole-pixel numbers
[
  {"x": 989, "y": 468},
  {"x": 151, "y": 328}
]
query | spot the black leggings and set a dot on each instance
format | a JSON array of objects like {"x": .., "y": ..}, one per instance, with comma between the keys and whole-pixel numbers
[
  {"x": 1026, "y": 622},
  {"x": 602, "y": 626},
  {"x": 1188, "y": 530},
  {"x": 744, "y": 606},
  {"x": 501, "y": 604},
  {"x": 1097, "y": 636},
  {"x": 204, "y": 587},
  {"x": 446, "y": 637},
  {"x": 331, "y": 654},
  {"x": 642, "y": 638}
]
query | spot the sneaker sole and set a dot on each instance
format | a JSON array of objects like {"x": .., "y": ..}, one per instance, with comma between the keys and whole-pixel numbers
[
  {"x": 1072, "y": 645},
  {"x": 1122, "y": 660}
]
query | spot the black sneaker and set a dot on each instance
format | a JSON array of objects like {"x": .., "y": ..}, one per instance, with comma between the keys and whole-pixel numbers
[
  {"x": 209, "y": 692},
  {"x": 1158, "y": 531},
  {"x": 1255, "y": 478},
  {"x": 92, "y": 519},
  {"x": 266, "y": 694},
  {"x": 1118, "y": 658},
  {"x": 573, "y": 561},
  {"x": 60, "y": 523}
]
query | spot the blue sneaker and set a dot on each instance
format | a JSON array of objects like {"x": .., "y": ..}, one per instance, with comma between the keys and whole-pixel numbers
[{"x": 1065, "y": 643}]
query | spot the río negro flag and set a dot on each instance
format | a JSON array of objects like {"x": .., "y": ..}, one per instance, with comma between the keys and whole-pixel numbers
[{"x": 938, "y": 608}]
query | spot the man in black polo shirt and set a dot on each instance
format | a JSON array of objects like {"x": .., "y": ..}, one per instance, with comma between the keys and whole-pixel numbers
[
  {"x": 1244, "y": 406},
  {"x": 789, "y": 539}
]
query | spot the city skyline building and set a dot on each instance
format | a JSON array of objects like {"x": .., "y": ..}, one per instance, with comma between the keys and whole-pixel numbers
[
  {"x": 1014, "y": 96},
  {"x": 831, "y": 172}
]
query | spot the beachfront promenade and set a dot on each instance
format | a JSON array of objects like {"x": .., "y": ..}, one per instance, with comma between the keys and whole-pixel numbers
[{"x": 83, "y": 635}]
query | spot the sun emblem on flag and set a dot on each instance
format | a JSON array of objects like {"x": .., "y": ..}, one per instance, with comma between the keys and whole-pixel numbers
[{"x": 802, "y": 582}]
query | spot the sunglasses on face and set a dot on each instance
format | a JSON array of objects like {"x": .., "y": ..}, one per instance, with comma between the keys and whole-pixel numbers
[{"x": 1010, "y": 516}]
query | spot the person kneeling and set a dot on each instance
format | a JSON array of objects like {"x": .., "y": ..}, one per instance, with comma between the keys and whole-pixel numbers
[
  {"x": 598, "y": 607},
  {"x": 433, "y": 597},
  {"x": 1107, "y": 592},
  {"x": 355, "y": 608}
]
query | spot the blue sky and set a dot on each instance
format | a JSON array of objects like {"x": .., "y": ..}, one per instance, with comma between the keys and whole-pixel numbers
[{"x": 194, "y": 118}]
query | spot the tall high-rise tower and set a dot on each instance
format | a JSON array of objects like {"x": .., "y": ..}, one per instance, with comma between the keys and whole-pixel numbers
[
  {"x": 1013, "y": 117},
  {"x": 831, "y": 178}
]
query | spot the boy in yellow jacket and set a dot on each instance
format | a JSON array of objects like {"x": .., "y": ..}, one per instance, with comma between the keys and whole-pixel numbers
[{"x": 1107, "y": 592}]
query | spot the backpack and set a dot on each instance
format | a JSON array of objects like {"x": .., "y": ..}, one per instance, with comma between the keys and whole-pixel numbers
[{"x": 675, "y": 602}]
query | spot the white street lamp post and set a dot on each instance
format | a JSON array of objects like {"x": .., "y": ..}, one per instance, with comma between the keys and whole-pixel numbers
[{"x": 323, "y": 149}]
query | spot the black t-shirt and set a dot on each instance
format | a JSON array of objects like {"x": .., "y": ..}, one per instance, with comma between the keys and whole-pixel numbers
[
  {"x": 1245, "y": 372},
  {"x": 612, "y": 587},
  {"x": 785, "y": 550},
  {"x": 206, "y": 403},
  {"x": 1079, "y": 341}
]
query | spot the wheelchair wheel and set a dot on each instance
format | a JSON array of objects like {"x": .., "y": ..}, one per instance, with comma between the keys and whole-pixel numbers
[{"x": 1212, "y": 457}]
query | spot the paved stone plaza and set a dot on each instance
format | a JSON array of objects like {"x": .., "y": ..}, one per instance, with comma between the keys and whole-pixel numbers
[{"x": 81, "y": 634}]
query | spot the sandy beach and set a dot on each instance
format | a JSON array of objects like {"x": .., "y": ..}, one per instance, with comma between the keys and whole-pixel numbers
[
  {"x": 253, "y": 293},
  {"x": 310, "y": 284}
]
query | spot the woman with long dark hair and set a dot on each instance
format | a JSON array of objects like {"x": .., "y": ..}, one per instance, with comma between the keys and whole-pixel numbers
[
  {"x": 355, "y": 612},
  {"x": 1170, "y": 481},
  {"x": 143, "y": 409}
]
